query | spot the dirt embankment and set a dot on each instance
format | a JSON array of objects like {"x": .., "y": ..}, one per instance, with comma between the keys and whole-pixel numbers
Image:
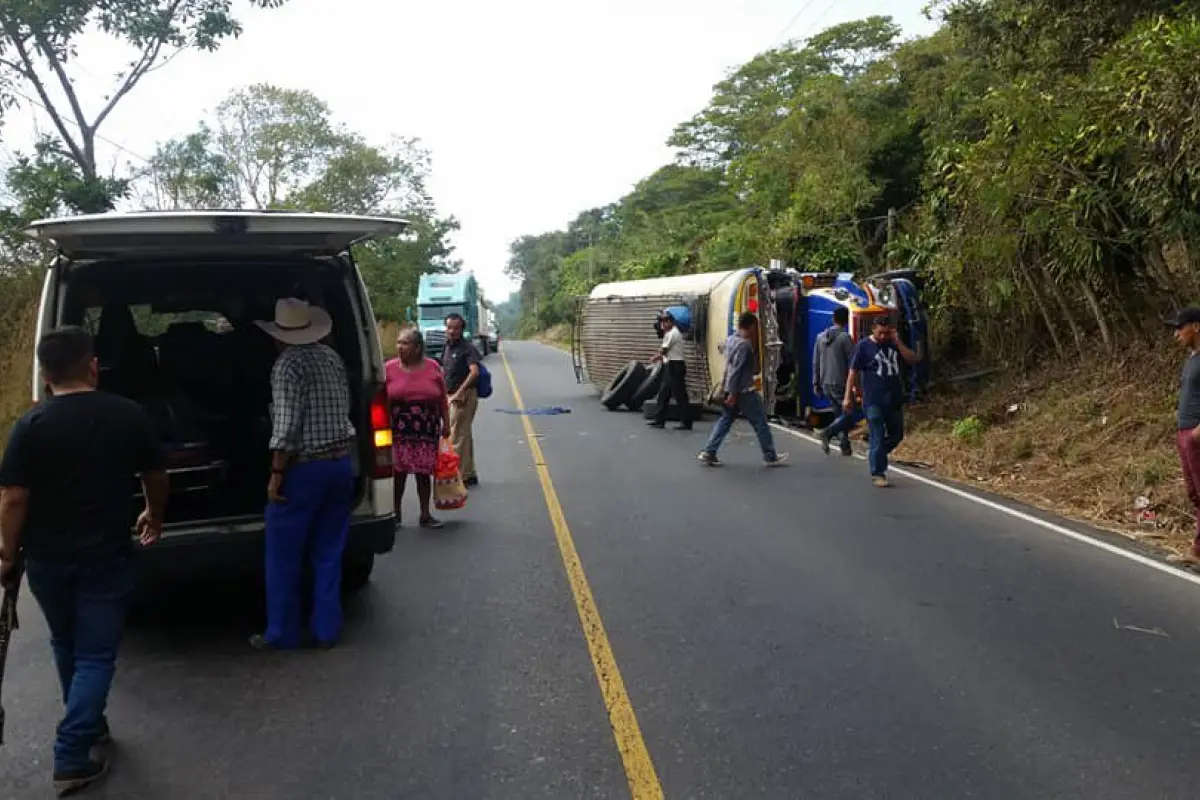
[{"x": 1094, "y": 441}]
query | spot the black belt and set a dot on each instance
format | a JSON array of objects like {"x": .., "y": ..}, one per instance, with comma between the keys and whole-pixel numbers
[{"x": 324, "y": 455}]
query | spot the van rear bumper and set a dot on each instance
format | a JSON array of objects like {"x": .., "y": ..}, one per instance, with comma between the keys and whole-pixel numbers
[{"x": 236, "y": 552}]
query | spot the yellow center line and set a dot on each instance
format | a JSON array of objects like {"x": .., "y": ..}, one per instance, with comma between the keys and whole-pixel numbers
[{"x": 639, "y": 769}]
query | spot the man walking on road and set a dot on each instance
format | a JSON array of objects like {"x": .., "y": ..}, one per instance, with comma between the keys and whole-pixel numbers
[
  {"x": 831, "y": 365},
  {"x": 67, "y": 475},
  {"x": 674, "y": 382},
  {"x": 460, "y": 363},
  {"x": 310, "y": 494},
  {"x": 1187, "y": 416},
  {"x": 741, "y": 364},
  {"x": 876, "y": 365}
]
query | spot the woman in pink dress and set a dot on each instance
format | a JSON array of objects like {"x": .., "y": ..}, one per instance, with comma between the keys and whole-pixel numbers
[{"x": 420, "y": 411}]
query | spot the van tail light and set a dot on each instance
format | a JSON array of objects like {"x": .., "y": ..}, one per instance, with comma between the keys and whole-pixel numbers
[{"x": 381, "y": 433}]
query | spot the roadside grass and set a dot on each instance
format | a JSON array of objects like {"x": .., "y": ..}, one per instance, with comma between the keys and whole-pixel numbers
[
  {"x": 18, "y": 323},
  {"x": 1082, "y": 440},
  {"x": 556, "y": 336}
]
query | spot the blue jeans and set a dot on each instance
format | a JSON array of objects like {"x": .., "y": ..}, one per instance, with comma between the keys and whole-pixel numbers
[
  {"x": 843, "y": 423},
  {"x": 85, "y": 606},
  {"x": 886, "y": 426},
  {"x": 315, "y": 519},
  {"x": 751, "y": 406}
]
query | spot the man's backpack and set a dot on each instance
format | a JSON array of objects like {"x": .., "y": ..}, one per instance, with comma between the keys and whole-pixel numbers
[{"x": 483, "y": 384}]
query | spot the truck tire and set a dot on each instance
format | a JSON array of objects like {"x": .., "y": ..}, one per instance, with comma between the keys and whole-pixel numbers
[
  {"x": 356, "y": 572},
  {"x": 647, "y": 388},
  {"x": 483, "y": 348},
  {"x": 623, "y": 385}
]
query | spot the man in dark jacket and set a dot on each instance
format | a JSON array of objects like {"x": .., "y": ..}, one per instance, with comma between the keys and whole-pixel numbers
[
  {"x": 831, "y": 364},
  {"x": 741, "y": 365}
]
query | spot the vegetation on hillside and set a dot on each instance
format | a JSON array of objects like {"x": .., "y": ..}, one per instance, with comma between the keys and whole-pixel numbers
[
  {"x": 1040, "y": 159},
  {"x": 1040, "y": 162}
]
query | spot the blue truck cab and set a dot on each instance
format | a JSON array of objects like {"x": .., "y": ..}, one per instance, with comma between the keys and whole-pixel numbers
[
  {"x": 442, "y": 294},
  {"x": 805, "y": 302}
]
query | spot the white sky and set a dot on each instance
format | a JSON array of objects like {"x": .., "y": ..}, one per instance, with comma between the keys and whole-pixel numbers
[{"x": 534, "y": 110}]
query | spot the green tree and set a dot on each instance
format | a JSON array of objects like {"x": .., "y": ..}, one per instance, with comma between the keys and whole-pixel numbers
[
  {"x": 186, "y": 173},
  {"x": 277, "y": 141},
  {"x": 38, "y": 46}
]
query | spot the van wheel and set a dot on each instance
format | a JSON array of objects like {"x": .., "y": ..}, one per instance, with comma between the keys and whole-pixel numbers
[
  {"x": 356, "y": 572},
  {"x": 623, "y": 385},
  {"x": 647, "y": 388}
]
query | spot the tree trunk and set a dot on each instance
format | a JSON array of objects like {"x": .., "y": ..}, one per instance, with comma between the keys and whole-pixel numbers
[
  {"x": 1157, "y": 266},
  {"x": 1068, "y": 317},
  {"x": 1040, "y": 300},
  {"x": 1098, "y": 313}
]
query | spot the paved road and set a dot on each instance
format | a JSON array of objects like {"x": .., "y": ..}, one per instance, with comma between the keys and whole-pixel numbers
[{"x": 781, "y": 633}]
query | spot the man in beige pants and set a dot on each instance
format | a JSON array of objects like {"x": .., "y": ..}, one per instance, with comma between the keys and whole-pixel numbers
[{"x": 460, "y": 363}]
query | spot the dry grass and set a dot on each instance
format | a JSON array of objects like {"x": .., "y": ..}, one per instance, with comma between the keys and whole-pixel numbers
[
  {"x": 18, "y": 325},
  {"x": 1081, "y": 440},
  {"x": 557, "y": 336}
]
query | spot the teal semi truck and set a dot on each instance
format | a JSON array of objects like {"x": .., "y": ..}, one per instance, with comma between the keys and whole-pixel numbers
[{"x": 442, "y": 294}]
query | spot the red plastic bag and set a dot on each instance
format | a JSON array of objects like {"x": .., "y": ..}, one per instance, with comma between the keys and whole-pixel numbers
[{"x": 447, "y": 462}]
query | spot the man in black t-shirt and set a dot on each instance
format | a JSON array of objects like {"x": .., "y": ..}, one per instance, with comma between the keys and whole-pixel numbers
[
  {"x": 460, "y": 363},
  {"x": 68, "y": 474}
]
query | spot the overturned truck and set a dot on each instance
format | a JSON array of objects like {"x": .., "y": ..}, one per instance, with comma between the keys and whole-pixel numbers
[{"x": 616, "y": 333}]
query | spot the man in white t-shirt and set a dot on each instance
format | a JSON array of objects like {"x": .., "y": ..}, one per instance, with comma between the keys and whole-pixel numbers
[{"x": 675, "y": 375}]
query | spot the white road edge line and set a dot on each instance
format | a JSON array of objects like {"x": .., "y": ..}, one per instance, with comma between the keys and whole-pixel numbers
[{"x": 1021, "y": 515}]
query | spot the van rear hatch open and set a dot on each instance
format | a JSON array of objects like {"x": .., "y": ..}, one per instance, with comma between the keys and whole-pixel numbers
[
  {"x": 189, "y": 285},
  {"x": 208, "y": 233}
]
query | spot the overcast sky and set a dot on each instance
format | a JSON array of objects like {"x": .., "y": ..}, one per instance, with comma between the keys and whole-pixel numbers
[{"x": 534, "y": 110}]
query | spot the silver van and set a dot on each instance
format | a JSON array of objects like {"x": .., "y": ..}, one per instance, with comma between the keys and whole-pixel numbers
[{"x": 171, "y": 299}]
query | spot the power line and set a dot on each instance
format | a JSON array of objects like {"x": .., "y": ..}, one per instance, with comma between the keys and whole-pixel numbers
[
  {"x": 76, "y": 124},
  {"x": 779, "y": 36},
  {"x": 817, "y": 21}
]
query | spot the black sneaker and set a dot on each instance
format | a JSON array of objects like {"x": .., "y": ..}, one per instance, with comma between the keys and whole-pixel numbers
[
  {"x": 471, "y": 481},
  {"x": 825, "y": 442},
  {"x": 847, "y": 450},
  {"x": 71, "y": 781},
  {"x": 655, "y": 424},
  {"x": 708, "y": 458}
]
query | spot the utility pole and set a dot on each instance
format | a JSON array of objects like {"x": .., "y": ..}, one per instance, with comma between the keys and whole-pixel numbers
[
  {"x": 591, "y": 261},
  {"x": 891, "y": 236}
]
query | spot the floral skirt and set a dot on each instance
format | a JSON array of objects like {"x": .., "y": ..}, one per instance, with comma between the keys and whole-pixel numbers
[{"x": 416, "y": 428}]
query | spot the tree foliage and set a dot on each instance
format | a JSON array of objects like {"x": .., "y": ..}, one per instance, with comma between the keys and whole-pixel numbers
[
  {"x": 1039, "y": 159},
  {"x": 38, "y": 41}
]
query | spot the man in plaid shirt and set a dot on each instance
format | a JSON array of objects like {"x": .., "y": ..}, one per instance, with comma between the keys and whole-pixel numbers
[{"x": 311, "y": 491}]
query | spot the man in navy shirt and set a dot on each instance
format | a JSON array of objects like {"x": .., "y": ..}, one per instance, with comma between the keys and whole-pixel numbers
[{"x": 875, "y": 374}]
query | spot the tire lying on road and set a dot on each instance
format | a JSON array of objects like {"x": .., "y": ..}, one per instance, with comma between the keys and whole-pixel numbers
[
  {"x": 647, "y": 388},
  {"x": 623, "y": 385}
]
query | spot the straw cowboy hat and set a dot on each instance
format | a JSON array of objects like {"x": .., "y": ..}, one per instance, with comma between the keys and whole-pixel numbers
[{"x": 296, "y": 322}]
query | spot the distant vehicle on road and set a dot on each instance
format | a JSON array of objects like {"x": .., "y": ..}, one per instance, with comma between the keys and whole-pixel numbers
[
  {"x": 171, "y": 299},
  {"x": 615, "y": 330},
  {"x": 441, "y": 294}
]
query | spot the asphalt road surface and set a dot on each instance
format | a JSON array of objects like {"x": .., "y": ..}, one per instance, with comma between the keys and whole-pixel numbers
[{"x": 790, "y": 633}]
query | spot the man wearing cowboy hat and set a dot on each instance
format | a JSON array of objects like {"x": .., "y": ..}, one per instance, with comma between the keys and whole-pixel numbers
[{"x": 311, "y": 491}]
